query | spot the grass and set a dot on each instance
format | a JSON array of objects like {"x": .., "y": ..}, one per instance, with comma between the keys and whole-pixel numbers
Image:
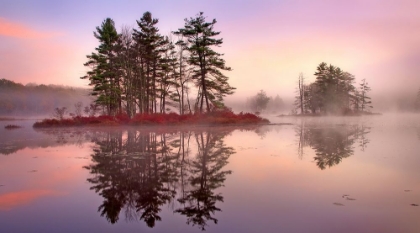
[{"x": 213, "y": 118}]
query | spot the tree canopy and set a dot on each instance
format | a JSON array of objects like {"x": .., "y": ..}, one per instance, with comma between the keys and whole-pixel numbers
[
  {"x": 206, "y": 63},
  {"x": 333, "y": 92},
  {"x": 141, "y": 71}
]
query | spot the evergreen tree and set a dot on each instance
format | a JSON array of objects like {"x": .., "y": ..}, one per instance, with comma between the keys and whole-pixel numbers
[
  {"x": 275, "y": 104},
  {"x": 141, "y": 71},
  {"x": 103, "y": 77},
  {"x": 334, "y": 88},
  {"x": 259, "y": 102},
  {"x": 212, "y": 83},
  {"x": 148, "y": 43}
]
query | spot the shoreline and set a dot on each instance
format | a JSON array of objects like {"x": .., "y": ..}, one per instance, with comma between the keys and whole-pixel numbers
[
  {"x": 331, "y": 115},
  {"x": 207, "y": 119}
]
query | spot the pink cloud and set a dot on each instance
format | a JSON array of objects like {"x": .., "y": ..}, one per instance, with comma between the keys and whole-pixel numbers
[
  {"x": 16, "y": 30},
  {"x": 42, "y": 61}
]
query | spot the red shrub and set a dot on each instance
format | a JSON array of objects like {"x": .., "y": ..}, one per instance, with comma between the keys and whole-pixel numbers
[
  {"x": 123, "y": 118},
  {"x": 224, "y": 116}
]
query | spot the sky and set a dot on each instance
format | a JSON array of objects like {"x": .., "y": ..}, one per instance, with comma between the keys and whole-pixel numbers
[{"x": 266, "y": 42}]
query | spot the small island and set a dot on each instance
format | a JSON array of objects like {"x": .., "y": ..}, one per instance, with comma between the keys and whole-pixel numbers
[
  {"x": 332, "y": 93},
  {"x": 140, "y": 77},
  {"x": 211, "y": 118}
]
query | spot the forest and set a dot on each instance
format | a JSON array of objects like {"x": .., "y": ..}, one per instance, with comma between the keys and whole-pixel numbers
[
  {"x": 139, "y": 70},
  {"x": 17, "y": 99}
]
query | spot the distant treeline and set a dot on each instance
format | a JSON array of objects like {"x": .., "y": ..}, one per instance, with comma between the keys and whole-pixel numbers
[
  {"x": 261, "y": 102},
  {"x": 32, "y": 99}
]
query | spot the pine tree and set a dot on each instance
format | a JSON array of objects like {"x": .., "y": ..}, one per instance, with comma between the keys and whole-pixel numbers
[
  {"x": 103, "y": 78},
  {"x": 334, "y": 88},
  {"x": 259, "y": 102},
  {"x": 148, "y": 43},
  {"x": 212, "y": 83}
]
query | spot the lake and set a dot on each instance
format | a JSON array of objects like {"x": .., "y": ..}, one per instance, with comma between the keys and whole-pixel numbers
[{"x": 333, "y": 174}]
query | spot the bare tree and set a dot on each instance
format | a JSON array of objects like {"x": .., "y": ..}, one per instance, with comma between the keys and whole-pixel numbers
[
  {"x": 365, "y": 101},
  {"x": 301, "y": 93},
  {"x": 127, "y": 69},
  {"x": 78, "y": 109},
  {"x": 91, "y": 110},
  {"x": 59, "y": 113}
]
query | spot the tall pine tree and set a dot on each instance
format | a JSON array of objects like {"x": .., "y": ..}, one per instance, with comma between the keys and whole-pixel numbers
[
  {"x": 208, "y": 64},
  {"x": 102, "y": 76},
  {"x": 147, "y": 44}
]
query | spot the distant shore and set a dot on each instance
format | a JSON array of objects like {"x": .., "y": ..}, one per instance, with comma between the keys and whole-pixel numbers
[
  {"x": 335, "y": 115},
  {"x": 10, "y": 119}
]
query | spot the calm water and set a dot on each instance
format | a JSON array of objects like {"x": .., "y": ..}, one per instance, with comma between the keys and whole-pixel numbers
[{"x": 315, "y": 175}]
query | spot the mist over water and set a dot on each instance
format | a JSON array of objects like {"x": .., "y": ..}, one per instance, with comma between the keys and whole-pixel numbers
[{"x": 318, "y": 174}]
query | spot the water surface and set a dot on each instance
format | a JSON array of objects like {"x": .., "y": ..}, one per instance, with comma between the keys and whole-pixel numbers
[{"x": 357, "y": 174}]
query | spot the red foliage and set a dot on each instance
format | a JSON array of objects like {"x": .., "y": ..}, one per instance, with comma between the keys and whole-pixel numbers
[
  {"x": 213, "y": 118},
  {"x": 123, "y": 118}
]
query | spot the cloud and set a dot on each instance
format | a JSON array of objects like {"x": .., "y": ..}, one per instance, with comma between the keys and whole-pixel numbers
[
  {"x": 16, "y": 30},
  {"x": 53, "y": 60}
]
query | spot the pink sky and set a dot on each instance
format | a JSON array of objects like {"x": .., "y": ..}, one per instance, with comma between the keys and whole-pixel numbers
[{"x": 267, "y": 43}]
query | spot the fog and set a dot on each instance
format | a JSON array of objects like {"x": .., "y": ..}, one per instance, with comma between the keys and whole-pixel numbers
[
  {"x": 33, "y": 100},
  {"x": 39, "y": 100},
  {"x": 401, "y": 99}
]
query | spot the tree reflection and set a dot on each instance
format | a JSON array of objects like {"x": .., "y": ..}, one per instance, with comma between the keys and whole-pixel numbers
[
  {"x": 139, "y": 172},
  {"x": 130, "y": 172},
  {"x": 206, "y": 175},
  {"x": 333, "y": 143}
]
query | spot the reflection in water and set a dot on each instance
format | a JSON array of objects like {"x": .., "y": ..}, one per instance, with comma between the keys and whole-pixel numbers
[
  {"x": 331, "y": 144},
  {"x": 10, "y": 144},
  {"x": 199, "y": 203},
  {"x": 143, "y": 176},
  {"x": 141, "y": 171}
]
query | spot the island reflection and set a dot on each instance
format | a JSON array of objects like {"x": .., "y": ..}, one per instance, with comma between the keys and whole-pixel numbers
[
  {"x": 139, "y": 172},
  {"x": 331, "y": 143}
]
